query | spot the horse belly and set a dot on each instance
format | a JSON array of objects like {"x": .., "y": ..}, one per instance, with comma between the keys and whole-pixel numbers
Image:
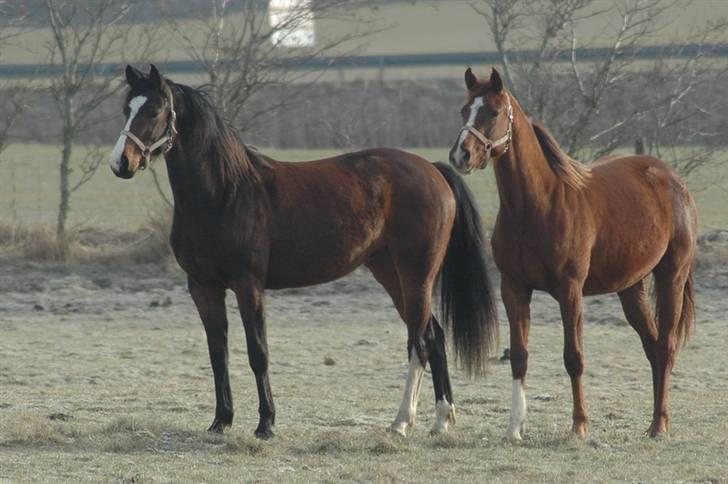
[
  {"x": 322, "y": 256},
  {"x": 617, "y": 268}
]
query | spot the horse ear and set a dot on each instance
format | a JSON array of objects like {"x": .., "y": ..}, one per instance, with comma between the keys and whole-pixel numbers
[
  {"x": 470, "y": 79},
  {"x": 155, "y": 77},
  {"x": 133, "y": 75},
  {"x": 495, "y": 81}
]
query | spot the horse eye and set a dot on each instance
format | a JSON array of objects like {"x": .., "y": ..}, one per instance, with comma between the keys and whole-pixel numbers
[{"x": 493, "y": 113}]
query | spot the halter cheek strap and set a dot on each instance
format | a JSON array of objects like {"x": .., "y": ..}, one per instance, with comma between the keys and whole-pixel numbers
[
  {"x": 487, "y": 143},
  {"x": 166, "y": 140}
]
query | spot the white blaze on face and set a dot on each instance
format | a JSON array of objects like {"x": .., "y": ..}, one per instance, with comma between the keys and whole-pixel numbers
[
  {"x": 474, "y": 109},
  {"x": 408, "y": 409},
  {"x": 518, "y": 411},
  {"x": 134, "y": 106}
]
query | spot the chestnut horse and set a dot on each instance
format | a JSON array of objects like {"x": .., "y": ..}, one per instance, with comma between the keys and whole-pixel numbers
[
  {"x": 245, "y": 222},
  {"x": 574, "y": 231}
]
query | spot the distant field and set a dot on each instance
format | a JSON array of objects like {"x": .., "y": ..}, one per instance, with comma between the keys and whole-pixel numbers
[
  {"x": 396, "y": 28},
  {"x": 29, "y": 189}
]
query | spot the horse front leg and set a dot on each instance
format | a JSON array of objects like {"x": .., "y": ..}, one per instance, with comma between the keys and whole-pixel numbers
[
  {"x": 517, "y": 300},
  {"x": 250, "y": 301},
  {"x": 210, "y": 304},
  {"x": 572, "y": 315}
]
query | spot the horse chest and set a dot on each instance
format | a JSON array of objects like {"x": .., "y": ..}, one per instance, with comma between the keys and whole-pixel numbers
[
  {"x": 209, "y": 256},
  {"x": 517, "y": 258},
  {"x": 536, "y": 257}
]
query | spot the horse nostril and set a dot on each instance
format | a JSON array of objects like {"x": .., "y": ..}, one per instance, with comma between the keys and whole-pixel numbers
[
  {"x": 124, "y": 163},
  {"x": 466, "y": 156}
]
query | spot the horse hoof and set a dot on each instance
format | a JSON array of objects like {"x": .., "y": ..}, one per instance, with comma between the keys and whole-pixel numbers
[
  {"x": 218, "y": 426},
  {"x": 398, "y": 429},
  {"x": 657, "y": 431},
  {"x": 444, "y": 417},
  {"x": 579, "y": 430},
  {"x": 264, "y": 434},
  {"x": 513, "y": 437},
  {"x": 658, "y": 427}
]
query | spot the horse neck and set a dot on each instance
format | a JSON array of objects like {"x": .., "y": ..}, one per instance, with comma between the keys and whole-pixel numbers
[
  {"x": 193, "y": 182},
  {"x": 523, "y": 176}
]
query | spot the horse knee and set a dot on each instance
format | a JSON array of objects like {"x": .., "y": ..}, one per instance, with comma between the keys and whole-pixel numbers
[
  {"x": 258, "y": 359},
  {"x": 665, "y": 353},
  {"x": 519, "y": 363},
  {"x": 574, "y": 363}
]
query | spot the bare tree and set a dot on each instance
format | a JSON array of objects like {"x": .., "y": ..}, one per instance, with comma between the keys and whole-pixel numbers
[
  {"x": 13, "y": 105},
  {"x": 679, "y": 125},
  {"x": 255, "y": 49},
  {"x": 569, "y": 92},
  {"x": 84, "y": 34},
  {"x": 14, "y": 95}
]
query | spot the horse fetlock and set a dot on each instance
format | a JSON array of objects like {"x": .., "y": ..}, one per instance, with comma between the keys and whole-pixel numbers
[
  {"x": 516, "y": 428},
  {"x": 444, "y": 417}
]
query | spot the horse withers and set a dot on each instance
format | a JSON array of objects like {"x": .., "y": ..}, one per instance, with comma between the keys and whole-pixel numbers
[
  {"x": 572, "y": 230},
  {"x": 245, "y": 222}
]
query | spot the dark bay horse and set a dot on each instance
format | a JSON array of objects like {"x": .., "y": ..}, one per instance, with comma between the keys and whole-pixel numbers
[
  {"x": 245, "y": 222},
  {"x": 573, "y": 231}
]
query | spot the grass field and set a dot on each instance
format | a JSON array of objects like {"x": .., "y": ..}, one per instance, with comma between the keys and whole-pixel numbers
[
  {"x": 29, "y": 189},
  {"x": 104, "y": 374},
  {"x": 105, "y": 378}
]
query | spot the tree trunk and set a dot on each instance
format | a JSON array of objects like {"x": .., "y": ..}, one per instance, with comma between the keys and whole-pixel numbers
[{"x": 64, "y": 205}]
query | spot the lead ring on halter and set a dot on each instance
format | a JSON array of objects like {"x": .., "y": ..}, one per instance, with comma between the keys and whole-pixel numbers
[
  {"x": 167, "y": 138},
  {"x": 489, "y": 145}
]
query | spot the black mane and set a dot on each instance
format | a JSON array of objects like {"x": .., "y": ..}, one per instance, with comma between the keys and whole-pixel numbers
[{"x": 211, "y": 142}]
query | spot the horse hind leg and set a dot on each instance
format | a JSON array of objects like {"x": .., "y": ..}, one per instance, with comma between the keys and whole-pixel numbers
[
  {"x": 637, "y": 310},
  {"x": 433, "y": 350},
  {"x": 675, "y": 305},
  {"x": 444, "y": 404}
]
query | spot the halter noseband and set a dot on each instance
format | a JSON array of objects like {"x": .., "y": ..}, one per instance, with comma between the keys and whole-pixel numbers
[
  {"x": 489, "y": 145},
  {"x": 166, "y": 140}
]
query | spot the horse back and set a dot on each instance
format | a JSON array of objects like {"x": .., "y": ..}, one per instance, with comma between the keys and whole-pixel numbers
[{"x": 329, "y": 216}]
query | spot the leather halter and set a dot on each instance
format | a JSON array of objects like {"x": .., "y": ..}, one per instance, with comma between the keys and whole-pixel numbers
[
  {"x": 489, "y": 144},
  {"x": 166, "y": 140}
]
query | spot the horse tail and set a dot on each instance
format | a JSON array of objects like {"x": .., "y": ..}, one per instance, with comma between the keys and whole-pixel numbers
[
  {"x": 466, "y": 296},
  {"x": 687, "y": 317}
]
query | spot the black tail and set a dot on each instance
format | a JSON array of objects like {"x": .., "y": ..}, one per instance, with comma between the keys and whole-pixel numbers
[{"x": 466, "y": 296}]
